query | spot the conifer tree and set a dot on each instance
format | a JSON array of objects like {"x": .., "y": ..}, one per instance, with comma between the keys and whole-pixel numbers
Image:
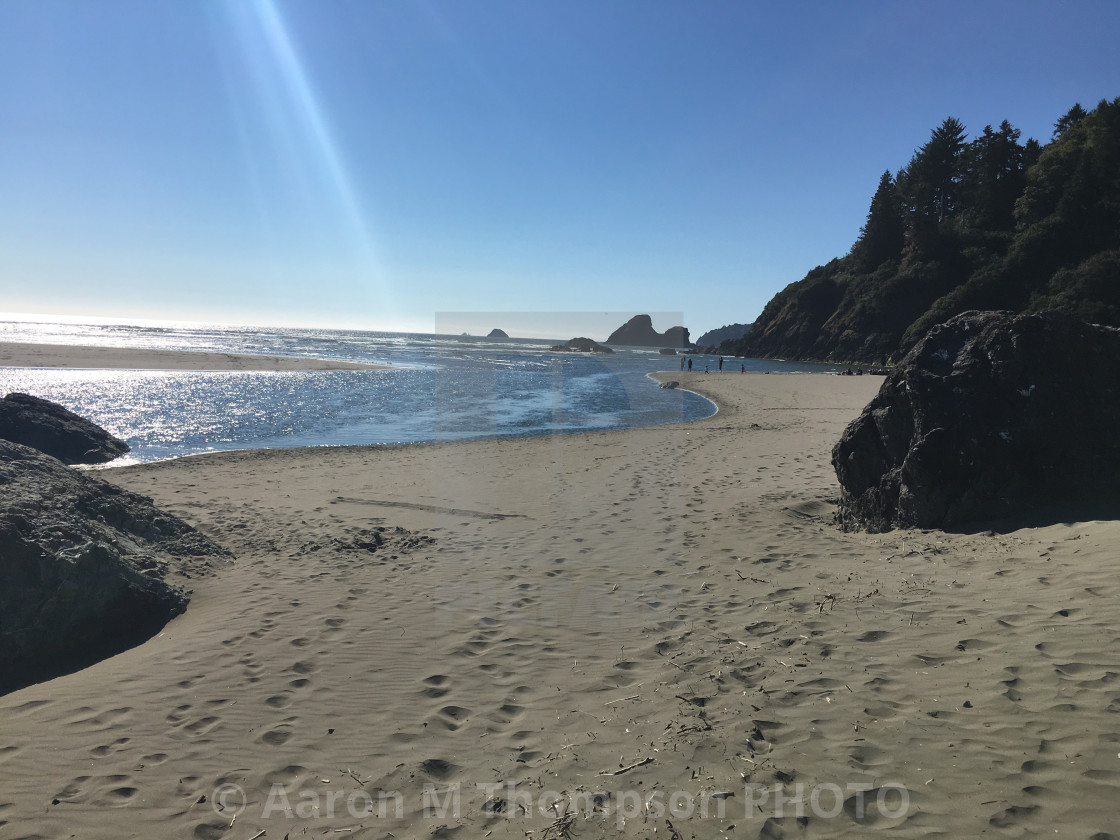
[
  {"x": 883, "y": 235},
  {"x": 1071, "y": 118},
  {"x": 929, "y": 183}
]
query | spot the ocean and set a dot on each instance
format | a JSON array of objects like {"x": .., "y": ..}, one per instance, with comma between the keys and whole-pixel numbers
[{"x": 445, "y": 388}]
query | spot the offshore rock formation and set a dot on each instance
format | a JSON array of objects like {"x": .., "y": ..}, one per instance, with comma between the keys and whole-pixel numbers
[
  {"x": 496, "y": 333},
  {"x": 990, "y": 415},
  {"x": 580, "y": 345},
  {"x": 50, "y": 428},
  {"x": 639, "y": 332},
  {"x": 732, "y": 332},
  {"x": 82, "y": 567}
]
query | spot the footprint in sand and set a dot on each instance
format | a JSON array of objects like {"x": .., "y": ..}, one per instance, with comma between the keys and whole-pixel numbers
[
  {"x": 506, "y": 713},
  {"x": 102, "y": 720},
  {"x": 436, "y": 686},
  {"x": 873, "y": 636},
  {"x": 105, "y": 749},
  {"x": 112, "y": 791},
  {"x": 178, "y": 714},
  {"x": 439, "y": 769},
  {"x": 450, "y": 718},
  {"x": 202, "y": 726},
  {"x": 277, "y": 736}
]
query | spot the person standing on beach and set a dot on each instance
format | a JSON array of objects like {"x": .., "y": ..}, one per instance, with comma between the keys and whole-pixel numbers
[
  {"x": 721, "y": 363},
  {"x": 690, "y": 364},
  {"x": 682, "y": 362}
]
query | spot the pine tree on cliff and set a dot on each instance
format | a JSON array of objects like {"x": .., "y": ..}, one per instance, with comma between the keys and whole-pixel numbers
[
  {"x": 929, "y": 185},
  {"x": 1071, "y": 118},
  {"x": 994, "y": 175},
  {"x": 883, "y": 235}
]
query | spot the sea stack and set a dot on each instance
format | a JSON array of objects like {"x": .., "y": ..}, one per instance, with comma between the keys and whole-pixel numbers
[{"x": 639, "y": 332}]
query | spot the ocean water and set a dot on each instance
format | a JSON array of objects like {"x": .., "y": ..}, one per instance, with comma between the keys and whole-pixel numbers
[{"x": 446, "y": 388}]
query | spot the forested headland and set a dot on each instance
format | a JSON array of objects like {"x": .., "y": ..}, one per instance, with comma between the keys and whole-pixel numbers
[{"x": 984, "y": 223}]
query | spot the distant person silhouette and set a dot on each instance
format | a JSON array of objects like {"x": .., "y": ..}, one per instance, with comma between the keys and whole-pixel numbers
[
  {"x": 682, "y": 362},
  {"x": 721, "y": 362},
  {"x": 690, "y": 364}
]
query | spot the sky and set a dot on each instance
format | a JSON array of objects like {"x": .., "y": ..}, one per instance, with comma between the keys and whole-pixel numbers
[{"x": 394, "y": 164}]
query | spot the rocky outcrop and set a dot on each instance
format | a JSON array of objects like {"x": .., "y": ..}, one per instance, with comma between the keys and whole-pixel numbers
[
  {"x": 990, "y": 415},
  {"x": 50, "y": 428},
  {"x": 580, "y": 345},
  {"x": 496, "y": 333},
  {"x": 639, "y": 332},
  {"x": 732, "y": 332},
  {"x": 82, "y": 567}
]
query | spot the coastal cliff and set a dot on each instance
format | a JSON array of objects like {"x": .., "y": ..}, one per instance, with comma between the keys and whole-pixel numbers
[
  {"x": 990, "y": 223},
  {"x": 732, "y": 332}
]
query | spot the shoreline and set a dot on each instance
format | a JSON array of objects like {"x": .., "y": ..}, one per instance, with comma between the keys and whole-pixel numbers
[
  {"x": 84, "y": 357},
  {"x": 651, "y": 612}
]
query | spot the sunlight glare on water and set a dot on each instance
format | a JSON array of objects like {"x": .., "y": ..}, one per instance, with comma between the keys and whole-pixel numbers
[{"x": 445, "y": 388}]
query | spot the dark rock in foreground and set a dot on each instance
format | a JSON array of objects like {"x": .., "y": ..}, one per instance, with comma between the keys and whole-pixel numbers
[
  {"x": 48, "y": 427},
  {"x": 639, "y": 332},
  {"x": 580, "y": 345},
  {"x": 82, "y": 567},
  {"x": 990, "y": 415},
  {"x": 496, "y": 333}
]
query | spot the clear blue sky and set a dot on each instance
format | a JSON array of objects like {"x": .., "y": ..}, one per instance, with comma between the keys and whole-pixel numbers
[{"x": 373, "y": 163}]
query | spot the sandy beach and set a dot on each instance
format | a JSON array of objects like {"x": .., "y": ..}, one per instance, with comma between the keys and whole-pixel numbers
[
  {"x": 644, "y": 633},
  {"x": 18, "y": 354}
]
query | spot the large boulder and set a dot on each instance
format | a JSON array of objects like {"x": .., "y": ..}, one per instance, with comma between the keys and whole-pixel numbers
[
  {"x": 83, "y": 566},
  {"x": 990, "y": 415},
  {"x": 48, "y": 427},
  {"x": 639, "y": 332}
]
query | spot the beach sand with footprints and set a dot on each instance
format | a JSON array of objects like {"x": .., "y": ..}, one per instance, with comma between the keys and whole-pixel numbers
[{"x": 645, "y": 633}]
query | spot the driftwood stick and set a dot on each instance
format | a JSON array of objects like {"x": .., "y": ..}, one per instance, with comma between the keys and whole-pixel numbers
[{"x": 628, "y": 767}]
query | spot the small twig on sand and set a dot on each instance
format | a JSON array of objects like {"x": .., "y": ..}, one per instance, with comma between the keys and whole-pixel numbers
[
  {"x": 628, "y": 767},
  {"x": 623, "y": 699}
]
